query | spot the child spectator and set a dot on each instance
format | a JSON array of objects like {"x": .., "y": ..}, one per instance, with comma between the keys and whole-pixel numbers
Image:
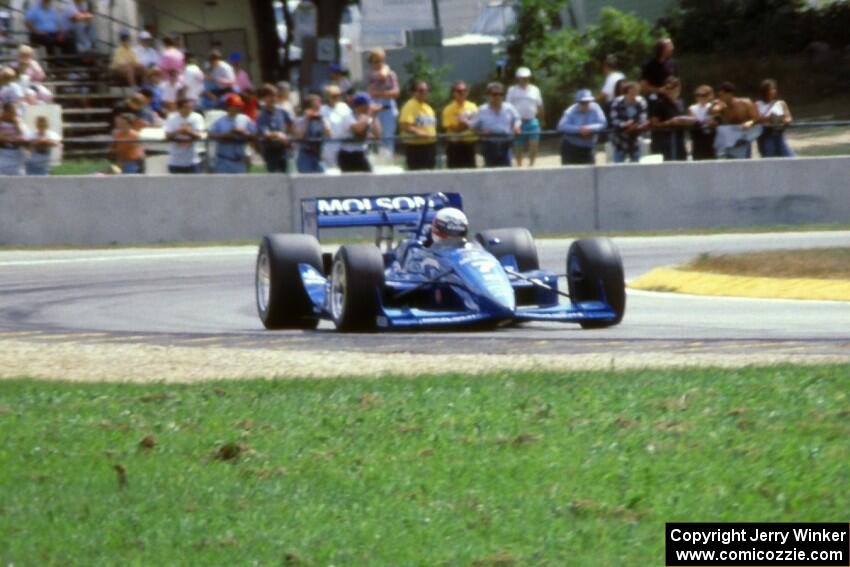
[
  {"x": 629, "y": 117},
  {"x": 153, "y": 90},
  {"x": 357, "y": 127},
  {"x": 171, "y": 91},
  {"x": 284, "y": 94},
  {"x": 232, "y": 132},
  {"x": 10, "y": 90},
  {"x": 311, "y": 129},
  {"x": 702, "y": 133},
  {"x": 129, "y": 153},
  {"x": 13, "y": 136},
  {"x": 41, "y": 142},
  {"x": 193, "y": 79},
  {"x": 273, "y": 128},
  {"x": 183, "y": 129}
]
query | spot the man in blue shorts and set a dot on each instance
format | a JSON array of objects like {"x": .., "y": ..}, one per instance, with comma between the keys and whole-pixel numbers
[{"x": 526, "y": 98}]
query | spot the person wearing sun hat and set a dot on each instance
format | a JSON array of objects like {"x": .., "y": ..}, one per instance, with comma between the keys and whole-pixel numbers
[
  {"x": 231, "y": 133},
  {"x": 581, "y": 124},
  {"x": 528, "y": 101}
]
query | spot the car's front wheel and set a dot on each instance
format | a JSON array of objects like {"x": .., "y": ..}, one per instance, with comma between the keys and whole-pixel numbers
[
  {"x": 282, "y": 301},
  {"x": 595, "y": 273},
  {"x": 357, "y": 281}
]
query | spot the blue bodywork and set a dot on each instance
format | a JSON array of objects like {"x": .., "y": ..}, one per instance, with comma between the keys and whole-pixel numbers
[{"x": 438, "y": 285}]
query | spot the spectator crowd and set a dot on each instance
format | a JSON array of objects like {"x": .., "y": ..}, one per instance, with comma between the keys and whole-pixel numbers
[{"x": 192, "y": 100}]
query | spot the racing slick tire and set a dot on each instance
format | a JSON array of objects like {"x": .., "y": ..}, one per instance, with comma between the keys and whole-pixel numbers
[
  {"x": 282, "y": 301},
  {"x": 595, "y": 273},
  {"x": 512, "y": 241},
  {"x": 357, "y": 281}
]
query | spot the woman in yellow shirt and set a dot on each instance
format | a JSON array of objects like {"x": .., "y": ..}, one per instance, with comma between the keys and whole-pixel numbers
[
  {"x": 460, "y": 149},
  {"x": 418, "y": 125}
]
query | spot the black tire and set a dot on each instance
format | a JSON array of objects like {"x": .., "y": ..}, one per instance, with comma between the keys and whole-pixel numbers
[
  {"x": 594, "y": 266},
  {"x": 357, "y": 281},
  {"x": 513, "y": 241},
  {"x": 288, "y": 306}
]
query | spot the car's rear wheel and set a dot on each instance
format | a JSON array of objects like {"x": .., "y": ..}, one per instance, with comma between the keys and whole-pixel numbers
[
  {"x": 516, "y": 242},
  {"x": 282, "y": 301},
  {"x": 357, "y": 281},
  {"x": 595, "y": 273}
]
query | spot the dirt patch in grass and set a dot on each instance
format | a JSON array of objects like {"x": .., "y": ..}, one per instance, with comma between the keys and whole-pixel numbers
[{"x": 820, "y": 263}]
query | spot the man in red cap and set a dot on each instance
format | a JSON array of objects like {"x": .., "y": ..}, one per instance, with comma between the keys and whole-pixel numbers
[{"x": 231, "y": 133}]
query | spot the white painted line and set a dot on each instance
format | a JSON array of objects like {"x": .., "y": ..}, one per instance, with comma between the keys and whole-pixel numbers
[{"x": 128, "y": 258}]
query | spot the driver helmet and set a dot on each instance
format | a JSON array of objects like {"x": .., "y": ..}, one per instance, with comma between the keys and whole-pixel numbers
[{"x": 449, "y": 223}]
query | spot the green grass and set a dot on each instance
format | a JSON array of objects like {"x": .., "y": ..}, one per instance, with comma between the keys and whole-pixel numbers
[
  {"x": 81, "y": 167},
  {"x": 509, "y": 469}
]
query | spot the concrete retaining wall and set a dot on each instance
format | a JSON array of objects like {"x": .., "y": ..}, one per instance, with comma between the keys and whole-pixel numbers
[{"x": 131, "y": 209}]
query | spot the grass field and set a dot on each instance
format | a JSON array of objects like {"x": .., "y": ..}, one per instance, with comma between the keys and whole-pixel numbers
[
  {"x": 513, "y": 469},
  {"x": 817, "y": 263}
]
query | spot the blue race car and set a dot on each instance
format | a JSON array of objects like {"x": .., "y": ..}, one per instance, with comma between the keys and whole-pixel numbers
[{"x": 433, "y": 277}]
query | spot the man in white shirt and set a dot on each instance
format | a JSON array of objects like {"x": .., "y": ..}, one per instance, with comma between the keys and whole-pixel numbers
[
  {"x": 145, "y": 51},
  {"x": 528, "y": 101},
  {"x": 334, "y": 110},
  {"x": 221, "y": 73},
  {"x": 193, "y": 79},
  {"x": 184, "y": 129},
  {"x": 612, "y": 77}
]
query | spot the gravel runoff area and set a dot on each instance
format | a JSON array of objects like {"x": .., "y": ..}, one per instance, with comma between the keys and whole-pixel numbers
[{"x": 150, "y": 363}]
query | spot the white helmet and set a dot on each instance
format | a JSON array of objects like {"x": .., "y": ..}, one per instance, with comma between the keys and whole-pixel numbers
[{"x": 449, "y": 223}]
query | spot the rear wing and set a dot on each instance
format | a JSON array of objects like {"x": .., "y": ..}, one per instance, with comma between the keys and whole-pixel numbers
[{"x": 389, "y": 210}]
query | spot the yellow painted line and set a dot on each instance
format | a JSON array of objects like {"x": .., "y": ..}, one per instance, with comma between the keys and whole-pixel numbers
[
  {"x": 201, "y": 340},
  {"x": 700, "y": 283}
]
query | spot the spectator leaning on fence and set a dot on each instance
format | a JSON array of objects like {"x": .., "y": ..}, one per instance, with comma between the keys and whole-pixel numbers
[
  {"x": 358, "y": 127},
  {"x": 334, "y": 111},
  {"x": 669, "y": 118},
  {"x": 629, "y": 118},
  {"x": 232, "y": 132},
  {"x": 42, "y": 141},
  {"x": 418, "y": 125},
  {"x": 737, "y": 117},
  {"x": 497, "y": 122},
  {"x": 274, "y": 126},
  {"x": 184, "y": 129},
  {"x": 128, "y": 151},
  {"x": 702, "y": 131},
  {"x": 382, "y": 84},
  {"x": 774, "y": 116},
  {"x": 13, "y": 135},
  {"x": 311, "y": 130},
  {"x": 528, "y": 101},
  {"x": 581, "y": 124},
  {"x": 457, "y": 116}
]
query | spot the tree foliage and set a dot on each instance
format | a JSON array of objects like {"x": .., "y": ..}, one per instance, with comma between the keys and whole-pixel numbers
[
  {"x": 758, "y": 27},
  {"x": 564, "y": 59},
  {"x": 421, "y": 68}
]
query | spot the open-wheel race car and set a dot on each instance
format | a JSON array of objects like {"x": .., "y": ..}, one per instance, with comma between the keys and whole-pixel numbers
[{"x": 432, "y": 276}]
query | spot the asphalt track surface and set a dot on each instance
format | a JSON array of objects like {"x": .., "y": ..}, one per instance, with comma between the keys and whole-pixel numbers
[{"x": 205, "y": 297}]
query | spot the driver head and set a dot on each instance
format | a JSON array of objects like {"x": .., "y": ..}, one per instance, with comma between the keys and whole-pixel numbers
[{"x": 449, "y": 223}]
